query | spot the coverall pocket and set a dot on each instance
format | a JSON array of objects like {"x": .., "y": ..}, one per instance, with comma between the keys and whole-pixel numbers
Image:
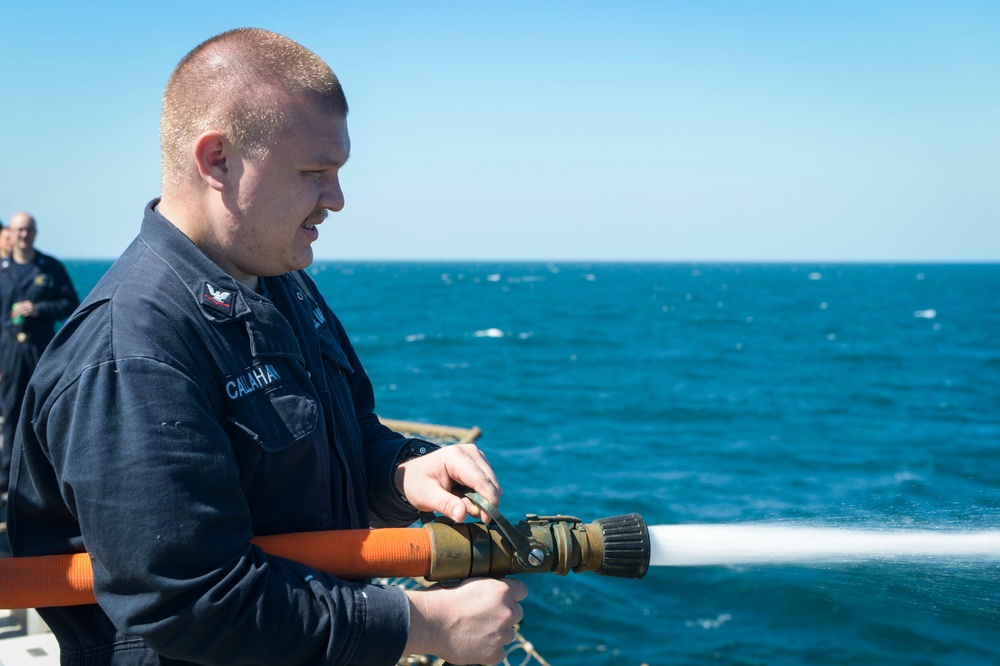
[{"x": 276, "y": 419}]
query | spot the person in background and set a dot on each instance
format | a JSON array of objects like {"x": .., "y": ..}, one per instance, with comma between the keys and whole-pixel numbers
[
  {"x": 35, "y": 293},
  {"x": 6, "y": 241},
  {"x": 205, "y": 393}
]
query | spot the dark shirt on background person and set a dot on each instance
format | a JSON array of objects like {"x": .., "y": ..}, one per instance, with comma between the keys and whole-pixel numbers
[{"x": 35, "y": 294}]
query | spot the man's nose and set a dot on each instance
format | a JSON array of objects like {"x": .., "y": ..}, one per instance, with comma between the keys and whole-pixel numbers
[{"x": 332, "y": 197}]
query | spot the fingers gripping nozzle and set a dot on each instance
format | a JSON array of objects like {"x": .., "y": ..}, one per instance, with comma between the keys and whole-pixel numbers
[{"x": 617, "y": 546}]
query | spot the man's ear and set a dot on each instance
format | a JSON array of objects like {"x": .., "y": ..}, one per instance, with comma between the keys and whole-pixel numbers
[{"x": 214, "y": 155}]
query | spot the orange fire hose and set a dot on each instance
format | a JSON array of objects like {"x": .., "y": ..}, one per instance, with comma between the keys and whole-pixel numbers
[{"x": 68, "y": 580}]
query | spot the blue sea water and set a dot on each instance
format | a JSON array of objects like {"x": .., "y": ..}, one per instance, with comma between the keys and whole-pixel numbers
[{"x": 823, "y": 395}]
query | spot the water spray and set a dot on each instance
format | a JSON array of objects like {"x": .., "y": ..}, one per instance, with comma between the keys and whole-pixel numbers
[
  {"x": 440, "y": 551},
  {"x": 763, "y": 544}
]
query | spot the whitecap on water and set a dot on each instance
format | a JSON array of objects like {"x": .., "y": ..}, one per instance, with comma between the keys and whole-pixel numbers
[
  {"x": 925, "y": 314},
  {"x": 710, "y": 623},
  {"x": 906, "y": 476},
  {"x": 815, "y": 276},
  {"x": 489, "y": 333}
]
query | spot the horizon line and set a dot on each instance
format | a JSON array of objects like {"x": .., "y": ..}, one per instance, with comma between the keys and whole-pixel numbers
[{"x": 624, "y": 261}]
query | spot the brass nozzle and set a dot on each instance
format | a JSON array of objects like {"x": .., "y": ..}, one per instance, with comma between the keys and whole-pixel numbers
[{"x": 617, "y": 546}]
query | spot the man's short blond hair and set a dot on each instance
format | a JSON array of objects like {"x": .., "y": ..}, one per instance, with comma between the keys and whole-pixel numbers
[{"x": 239, "y": 83}]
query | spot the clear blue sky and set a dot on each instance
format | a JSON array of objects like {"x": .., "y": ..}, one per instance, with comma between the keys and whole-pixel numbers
[{"x": 581, "y": 130}]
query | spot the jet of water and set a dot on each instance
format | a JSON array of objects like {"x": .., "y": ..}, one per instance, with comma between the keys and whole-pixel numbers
[{"x": 736, "y": 544}]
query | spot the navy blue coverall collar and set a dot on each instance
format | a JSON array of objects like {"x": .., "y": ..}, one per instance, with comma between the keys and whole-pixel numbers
[{"x": 220, "y": 296}]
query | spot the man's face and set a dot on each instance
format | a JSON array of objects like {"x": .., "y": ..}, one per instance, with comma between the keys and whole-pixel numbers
[
  {"x": 6, "y": 241},
  {"x": 279, "y": 200},
  {"x": 22, "y": 232}
]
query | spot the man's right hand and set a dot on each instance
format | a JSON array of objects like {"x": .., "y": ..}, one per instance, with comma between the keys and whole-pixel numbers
[{"x": 467, "y": 624}]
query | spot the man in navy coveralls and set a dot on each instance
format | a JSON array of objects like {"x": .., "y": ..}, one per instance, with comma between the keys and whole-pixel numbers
[
  {"x": 35, "y": 293},
  {"x": 204, "y": 394}
]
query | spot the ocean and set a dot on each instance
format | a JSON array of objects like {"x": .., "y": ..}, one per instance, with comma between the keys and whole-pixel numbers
[{"x": 798, "y": 395}]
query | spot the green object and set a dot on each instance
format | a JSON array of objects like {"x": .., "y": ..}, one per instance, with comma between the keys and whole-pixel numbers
[{"x": 17, "y": 320}]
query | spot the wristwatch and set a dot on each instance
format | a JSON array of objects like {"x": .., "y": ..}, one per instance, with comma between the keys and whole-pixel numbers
[{"x": 414, "y": 448}]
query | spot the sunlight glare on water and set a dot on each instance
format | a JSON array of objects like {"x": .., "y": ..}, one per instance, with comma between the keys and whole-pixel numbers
[{"x": 738, "y": 544}]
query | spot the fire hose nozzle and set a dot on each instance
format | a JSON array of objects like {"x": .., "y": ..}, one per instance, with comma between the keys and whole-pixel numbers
[{"x": 617, "y": 546}]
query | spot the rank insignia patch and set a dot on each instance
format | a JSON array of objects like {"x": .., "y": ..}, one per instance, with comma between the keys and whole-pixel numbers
[{"x": 219, "y": 300}]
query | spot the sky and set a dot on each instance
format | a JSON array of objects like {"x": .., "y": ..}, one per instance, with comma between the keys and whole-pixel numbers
[{"x": 535, "y": 130}]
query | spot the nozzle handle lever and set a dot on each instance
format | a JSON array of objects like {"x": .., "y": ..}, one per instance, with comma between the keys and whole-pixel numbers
[{"x": 528, "y": 552}]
